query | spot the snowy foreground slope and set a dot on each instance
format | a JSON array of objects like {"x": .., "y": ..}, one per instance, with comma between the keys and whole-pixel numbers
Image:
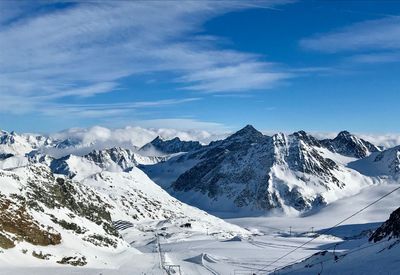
[{"x": 208, "y": 254}]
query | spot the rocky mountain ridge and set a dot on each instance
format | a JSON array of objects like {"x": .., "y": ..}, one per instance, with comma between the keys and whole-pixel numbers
[{"x": 159, "y": 146}]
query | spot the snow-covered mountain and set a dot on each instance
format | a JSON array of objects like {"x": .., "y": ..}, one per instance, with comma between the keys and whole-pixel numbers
[
  {"x": 159, "y": 146},
  {"x": 349, "y": 145},
  {"x": 46, "y": 215},
  {"x": 21, "y": 144},
  {"x": 16, "y": 144},
  {"x": 113, "y": 159},
  {"x": 385, "y": 163},
  {"x": 251, "y": 172}
]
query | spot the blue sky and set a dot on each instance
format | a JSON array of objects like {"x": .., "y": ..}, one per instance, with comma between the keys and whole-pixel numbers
[{"x": 212, "y": 65}]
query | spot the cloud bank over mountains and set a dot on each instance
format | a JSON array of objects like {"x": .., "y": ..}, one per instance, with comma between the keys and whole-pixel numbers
[{"x": 98, "y": 137}]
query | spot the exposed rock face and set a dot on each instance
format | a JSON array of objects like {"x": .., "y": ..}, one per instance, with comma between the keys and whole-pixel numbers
[
  {"x": 33, "y": 191},
  {"x": 349, "y": 145},
  {"x": 7, "y": 138},
  {"x": 122, "y": 157},
  {"x": 18, "y": 223},
  {"x": 389, "y": 229},
  {"x": 60, "y": 193},
  {"x": 5, "y": 156}
]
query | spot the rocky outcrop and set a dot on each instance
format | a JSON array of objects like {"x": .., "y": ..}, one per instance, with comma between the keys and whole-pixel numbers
[{"x": 389, "y": 229}]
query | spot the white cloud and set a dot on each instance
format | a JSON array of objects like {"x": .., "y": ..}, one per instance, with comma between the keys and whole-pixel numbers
[
  {"x": 185, "y": 129},
  {"x": 87, "y": 48},
  {"x": 381, "y": 34},
  {"x": 385, "y": 140}
]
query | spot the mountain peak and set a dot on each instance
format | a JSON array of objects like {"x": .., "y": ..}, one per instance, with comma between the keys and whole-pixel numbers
[
  {"x": 157, "y": 139},
  {"x": 344, "y": 134},
  {"x": 302, "y": 135},
  {"x": 247, "y": 132},
  {"x": 350, "y": 145}
]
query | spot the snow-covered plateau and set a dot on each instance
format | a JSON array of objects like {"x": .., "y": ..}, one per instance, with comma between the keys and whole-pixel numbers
[{"x": 246, "y": 204}]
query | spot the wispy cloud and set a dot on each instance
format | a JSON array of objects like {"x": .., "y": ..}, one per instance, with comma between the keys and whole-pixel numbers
[
  {"x": 183, "y": 124},
  {"x": 233, "y": 78},
  {"x": 381, "y": 34},
  {"x": 114, "y": 109},
  {"x": 107, "y": 109},
  {"x": 374, "y": 58},
  {"x": 86, "y": 48}
]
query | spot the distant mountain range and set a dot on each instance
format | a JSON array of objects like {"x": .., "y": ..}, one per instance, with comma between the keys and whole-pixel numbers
[{"x": 248, "y": 172}]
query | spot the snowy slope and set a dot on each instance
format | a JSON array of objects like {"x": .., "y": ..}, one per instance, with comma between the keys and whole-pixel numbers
[
  {"x": 12, "y": 161},
  {"x": 135, "y": 198},
  {"x": 385, "y": 163},
  {"x": 50, "y": 220}
]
